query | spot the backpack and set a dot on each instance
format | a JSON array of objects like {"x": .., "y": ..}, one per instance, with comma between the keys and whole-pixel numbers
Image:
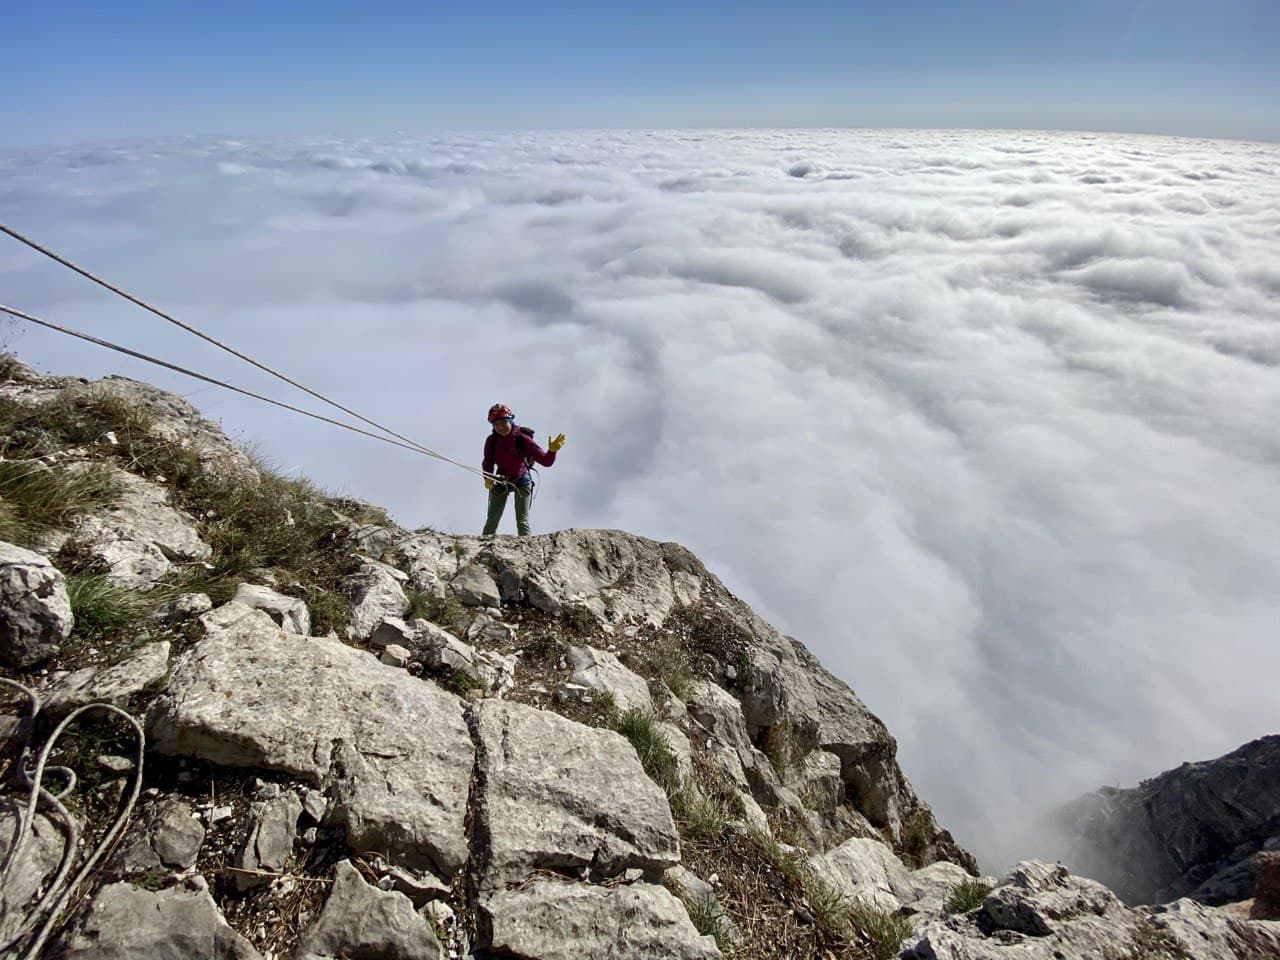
[{"x": 521, "y": 433}]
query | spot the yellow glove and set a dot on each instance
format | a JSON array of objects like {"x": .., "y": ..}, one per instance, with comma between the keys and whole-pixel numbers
[
  {"x": 488, "y": 484},
  {"x": 556, "y": 443}
]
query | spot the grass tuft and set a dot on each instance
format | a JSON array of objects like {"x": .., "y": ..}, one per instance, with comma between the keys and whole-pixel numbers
[
  {"x": 966, "y": 895},
  {"x": 709, "y": 919},
  {"x": 101, "y": 607},
  {"x": 420, "y": 604},
  {"x": 659, "y": 762},
  {"x": 36, "y": 497},
  {"x": 883, "y": 931},
  {"x": 462, "y": 682},
  {"x": 670, "y": 661}
]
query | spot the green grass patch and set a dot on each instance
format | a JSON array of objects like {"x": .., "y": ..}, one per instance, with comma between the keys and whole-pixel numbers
[
  {"x": 103, "y": 608},
  {"x": 883, "y": 931},
  {"x": 659, "y": 762},
  {"x": 709, "y": 919},
  {"x": 670, "y": 661},
  {"x": 698, "y": 816},
  {"x": 36, "y": 497},
  {"x": 966, "y": 895},
  {"x": 462, "y": 681},
  {"x": 420, "y": 605}
]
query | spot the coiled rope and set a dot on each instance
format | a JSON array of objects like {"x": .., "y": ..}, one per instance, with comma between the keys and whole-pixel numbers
[
  {"x": 53, "y": 901},
  {"x": 405, "y": 442}
]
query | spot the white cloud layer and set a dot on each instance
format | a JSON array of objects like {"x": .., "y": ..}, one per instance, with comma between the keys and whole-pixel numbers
[{"x": 987, "y": 419}]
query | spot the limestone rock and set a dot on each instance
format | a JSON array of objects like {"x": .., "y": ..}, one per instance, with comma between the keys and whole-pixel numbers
[
  {"x": 289, "y": 612},
  {"x": 552, "y": 920},
  {"x": 475, "y": 587},
  {"x": 35, "y": 614},
  {"x": 393, "y": 630},
  {"x": 379, "y": 596},
  {"x": 141, "y": 534},
  {"x": 183, "y": 607},
  {"x": 866, "y": 870},
  {"x": 361, "y": 922},
  {"x": 394, "y": 655},
  {"x": 1204, "y": 932},
  {"x": 443, "y": 653},
  {"x": 115, "y": 684},
  {"x": 125, "y": 922},
  {"x": 269, "y": 841},
  {"x": 231, "y": 614},
  {"x": 1039, "y": 896},
  {"x": 176, "y": 420},
  {"x": 38, "y": 860},
  {"x": 335, "y": 717},
  {"x": 167, "y": 837},
  {"x": 935, "y": 883},
  {"x": 558, "y": 571},
  {"x": 559, "y": 795},
  {"x": 601, "y": 670}
]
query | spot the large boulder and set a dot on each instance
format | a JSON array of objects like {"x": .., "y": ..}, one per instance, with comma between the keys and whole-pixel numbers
[
  {"x": 614, "y": 576},
  {"x": 393, "y": 752},
  {"x": 125, "y": 922},
  {"x": 361, "y": 922},
  {"x": 554, "y": 920},
  {"x": 558, "y": 795},
  {"x": 35, "y": 613},
  {"x": 1191, "y": 831}
]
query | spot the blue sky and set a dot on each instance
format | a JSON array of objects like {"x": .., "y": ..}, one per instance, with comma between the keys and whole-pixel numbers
[{"x": 88, "y": 71}]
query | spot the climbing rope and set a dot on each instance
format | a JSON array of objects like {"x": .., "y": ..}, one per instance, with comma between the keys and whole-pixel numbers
[
  {"x": 412, "y": 444},
  {"x": 416, "y": 448},
  {"x": 53, "y": 901}
]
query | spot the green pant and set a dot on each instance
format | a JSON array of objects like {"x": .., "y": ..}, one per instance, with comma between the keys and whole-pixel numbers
[{"x": 498, "y": 503}]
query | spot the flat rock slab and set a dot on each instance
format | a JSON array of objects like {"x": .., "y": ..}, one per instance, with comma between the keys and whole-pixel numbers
[
  {"x": 393, "y": 752},
  {"x": 560, "y": 795},
  {"x": 125, "y": 922},
  {"x": 115, "y": 684},
  {"x": 553, "y": 920}
]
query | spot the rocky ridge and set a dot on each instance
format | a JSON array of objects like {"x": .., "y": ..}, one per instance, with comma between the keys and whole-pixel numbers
[
  {"x": 1190, "y": 832},
  {"x": 365, "y": 741}
]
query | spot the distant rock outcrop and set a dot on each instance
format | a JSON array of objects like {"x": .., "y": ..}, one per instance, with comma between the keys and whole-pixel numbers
[{"x": 1189, "y": 832}]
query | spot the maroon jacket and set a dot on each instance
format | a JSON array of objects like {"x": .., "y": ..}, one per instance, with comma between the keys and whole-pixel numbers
[{"x": 508, "y": 453}]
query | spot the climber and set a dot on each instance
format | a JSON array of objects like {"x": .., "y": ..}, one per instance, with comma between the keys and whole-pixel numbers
[{"x": 509, "y": 452}]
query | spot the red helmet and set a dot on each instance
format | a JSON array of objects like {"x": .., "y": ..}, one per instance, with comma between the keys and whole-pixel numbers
[{"x": 500, "y": 411}]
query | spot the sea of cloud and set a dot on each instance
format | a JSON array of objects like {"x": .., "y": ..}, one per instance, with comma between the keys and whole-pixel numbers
[{"x": 989, "y": 420}]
